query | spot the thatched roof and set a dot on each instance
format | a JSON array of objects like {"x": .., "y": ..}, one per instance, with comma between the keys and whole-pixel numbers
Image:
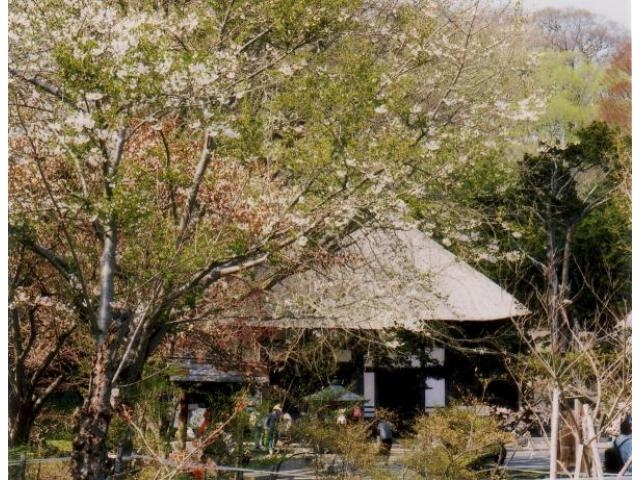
[{"x": 389, "y": 278}]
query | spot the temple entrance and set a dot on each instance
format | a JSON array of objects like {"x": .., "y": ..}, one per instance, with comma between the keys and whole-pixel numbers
[{"x": 401, "y": 390}]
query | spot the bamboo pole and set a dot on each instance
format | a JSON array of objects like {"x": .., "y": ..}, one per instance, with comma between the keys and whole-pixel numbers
[
  {"x": 625, "y": 467},
  {"x": 555, "y": 417},
  {"x": 577, "y": 416},
  {"x": 183, "y": 418},
  {"x": 592, "y": 442},
  {"x": 579, "y": 451}
]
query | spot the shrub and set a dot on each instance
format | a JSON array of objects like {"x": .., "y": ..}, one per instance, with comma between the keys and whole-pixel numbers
[
  {"x": 455, "y": 444},
  {"x": 351, "y": 443}
]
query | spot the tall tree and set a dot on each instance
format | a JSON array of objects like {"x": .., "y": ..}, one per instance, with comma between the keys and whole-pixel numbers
[
  {"x": 564, "y": 218},
  {"x": 571, "y": 86},
  {"x": 158, "y": 150},
  {"x": 118, "y": 198},
  {"x": 576, "y": 30},
  {"x": 558, "y": 196}
]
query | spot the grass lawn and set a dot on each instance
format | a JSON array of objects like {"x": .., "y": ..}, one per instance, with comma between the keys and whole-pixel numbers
[{"x": 63, "y": 446}]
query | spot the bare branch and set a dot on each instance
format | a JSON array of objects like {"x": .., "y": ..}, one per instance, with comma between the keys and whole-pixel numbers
[
  {"x": 37, "y": 405},
  {"x": 254, "y": 39},
  {"x": 44, "y": 365}
]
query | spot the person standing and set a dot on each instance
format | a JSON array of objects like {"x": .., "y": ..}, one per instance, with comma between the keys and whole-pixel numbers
[
  {"x": 623, "y": 441},
  {"x": 357, "y": 413},
  {"x": 272, "y": 427},
  {"x": 385, "y": 435},
  {"x": 341, "y": 418}
]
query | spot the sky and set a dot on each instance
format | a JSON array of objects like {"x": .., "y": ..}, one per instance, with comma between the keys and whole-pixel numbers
[{"x": 616, "y": 10}]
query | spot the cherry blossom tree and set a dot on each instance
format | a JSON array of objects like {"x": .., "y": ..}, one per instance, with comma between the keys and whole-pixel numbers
[
  {"x": 156, "y": 150},
  {"x": 107, "y": 104}
]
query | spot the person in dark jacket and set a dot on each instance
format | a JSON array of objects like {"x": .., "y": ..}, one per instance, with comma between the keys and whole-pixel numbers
[{"x": 623, "y": 441}]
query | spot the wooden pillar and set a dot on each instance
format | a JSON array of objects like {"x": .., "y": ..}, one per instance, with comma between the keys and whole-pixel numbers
[
  {"x": 566, "y": 446},
  {"x": 183, "y": 414}
]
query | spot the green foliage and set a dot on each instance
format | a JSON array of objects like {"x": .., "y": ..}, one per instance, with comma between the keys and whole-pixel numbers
[
  {"x": 352, "y": 442},
  {"x": 580, "y": 188},
  {"x": 572, "y": 189},
  {"x": 573, "y": 86},
  {"x": 319, "y": 110},
  {"x": 454, "y": 443},
  {"x": 294, "y": 22},
  {"x": 603, "y": 245},
  {"x": 151, "y": 407},
  {"x": 52, "y": 432}
]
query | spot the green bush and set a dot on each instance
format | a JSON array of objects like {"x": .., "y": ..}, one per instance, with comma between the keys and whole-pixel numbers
[
  {"x": 352, "y": 443},
  {"x": 455, "y": 444}
]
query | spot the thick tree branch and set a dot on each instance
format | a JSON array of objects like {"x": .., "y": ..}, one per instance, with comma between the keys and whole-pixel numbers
[
  {"x": 107, "y": 274},
  {"x": 172, "y": 192},
  {"x": 45, "y": 86},
  {"x": 33, "y": 335},
  {"x": 39, "y": 401},
  {"x": 205, "y": 160}
]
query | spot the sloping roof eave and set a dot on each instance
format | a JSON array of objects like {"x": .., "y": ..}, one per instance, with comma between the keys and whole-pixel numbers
[{"x": 398, "y": 275}]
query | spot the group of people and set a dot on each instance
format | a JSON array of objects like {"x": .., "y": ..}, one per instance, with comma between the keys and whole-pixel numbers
[
  {"x": 383, "y": 432},
  {"x": 356, "y": 415},
  {"x": 266, "y": 429},
  {"x": 266, "y": 432}
]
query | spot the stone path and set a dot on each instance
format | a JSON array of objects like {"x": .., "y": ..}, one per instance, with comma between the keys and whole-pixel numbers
[{"x": 530, "y": 461}]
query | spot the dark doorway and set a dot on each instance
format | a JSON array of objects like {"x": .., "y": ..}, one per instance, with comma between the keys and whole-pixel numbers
[
  {"x": 503, "y": 393},
  {"x": 400, "y": 390}
]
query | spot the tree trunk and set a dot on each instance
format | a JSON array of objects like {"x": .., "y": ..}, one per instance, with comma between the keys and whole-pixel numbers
[
  {"x": 553, "y": 313},
  {"x": 20, "y": 423},
  {"x": 91, "y": 423},
  {"x": 89, "y": 460}
]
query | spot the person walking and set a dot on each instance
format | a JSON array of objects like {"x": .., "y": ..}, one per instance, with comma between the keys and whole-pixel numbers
[
  {"x": 385, "y": 436},
  {"x": 272, "y": 427}
]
